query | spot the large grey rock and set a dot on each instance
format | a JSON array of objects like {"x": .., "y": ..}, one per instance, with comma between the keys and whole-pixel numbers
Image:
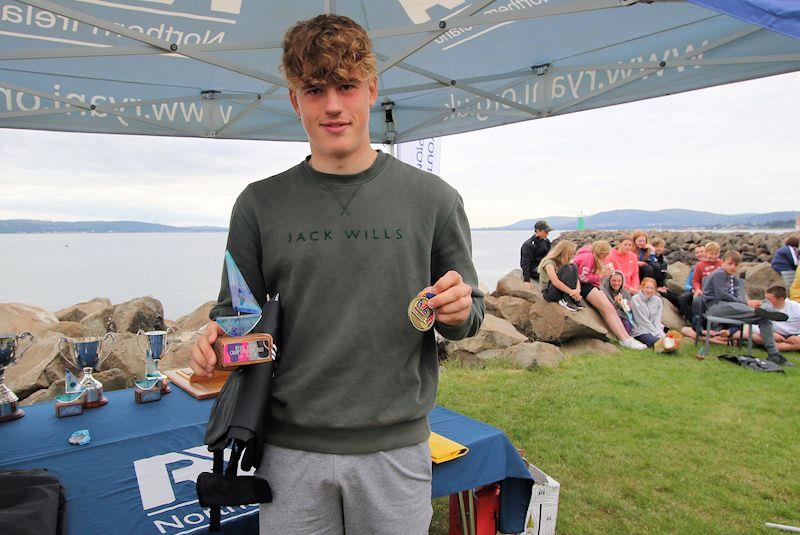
[
  {"x": 39, "y": 366},
  {"x": 513, "y": 286},
  {"x": 678, "y": 272},
  {"x": 550, "y": 322},
  {"x": 589, "y": 346},
  {"x": 495, "y": 333},
  {"x": 760, "y": 277},
  {"x": 527, "y": 355},
  {"x": 670, "y": 316},
  {"x": 126, "y": 356},
  {"x": 196, "y": 319},
  {"x": 514, "y": 309},
  {"x": 145, "y": 313},
  {"x": 18, "y": 318},
  {"x": 79, "y": 311},
  {"x": 69, "y": 329}
]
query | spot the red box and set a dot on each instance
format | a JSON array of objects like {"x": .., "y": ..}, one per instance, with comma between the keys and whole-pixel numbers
[{"x": 485, "y": 507}]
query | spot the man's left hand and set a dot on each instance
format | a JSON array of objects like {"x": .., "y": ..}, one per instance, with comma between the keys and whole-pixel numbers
[
  {"x": 453, "y": 300},
  {"x": 754, "y": 303}
]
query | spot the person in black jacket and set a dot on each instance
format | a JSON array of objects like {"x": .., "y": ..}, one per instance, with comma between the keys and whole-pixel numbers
[{"x": 532, "y": 252}]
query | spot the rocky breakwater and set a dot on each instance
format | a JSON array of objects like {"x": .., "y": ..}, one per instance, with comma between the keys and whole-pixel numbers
[
  {"x": 39, "y": 374},
  {"x": 755, "y": 247},
  {"x": 523, "y": 328}
]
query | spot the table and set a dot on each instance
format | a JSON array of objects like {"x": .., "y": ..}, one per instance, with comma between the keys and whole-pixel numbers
[{"x": 137, "y": 475}]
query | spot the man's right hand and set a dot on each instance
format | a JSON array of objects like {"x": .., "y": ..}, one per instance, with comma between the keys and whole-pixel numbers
[
  {"x": 203, "y": 357},
  {"x": 528, "y": 285}
]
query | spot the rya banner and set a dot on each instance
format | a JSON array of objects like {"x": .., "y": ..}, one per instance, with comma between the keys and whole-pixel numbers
[{"x": 424, "y": 154}]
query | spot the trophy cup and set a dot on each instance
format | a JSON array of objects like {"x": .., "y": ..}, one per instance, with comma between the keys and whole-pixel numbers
[
  {"x": 9, "y": 353},
  {"x": 84, "y": 354},
  {"x": 236, "y": 347},
  {"x": 157, "y": 347}
]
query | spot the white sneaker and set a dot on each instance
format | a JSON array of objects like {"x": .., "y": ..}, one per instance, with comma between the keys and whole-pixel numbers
[{"x": 632, "y": 343}]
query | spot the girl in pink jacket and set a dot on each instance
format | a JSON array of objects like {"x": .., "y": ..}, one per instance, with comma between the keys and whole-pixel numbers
[
  {"x": 626, "y": 261},
  {"x": 593, "y": 265}
]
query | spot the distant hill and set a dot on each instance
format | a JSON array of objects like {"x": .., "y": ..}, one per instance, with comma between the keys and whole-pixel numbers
[
  {"x": 33, "y": 226},
  {"x": 663, "y": 219}
]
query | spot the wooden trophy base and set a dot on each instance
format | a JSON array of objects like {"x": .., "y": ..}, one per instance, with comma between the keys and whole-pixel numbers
[
  {"x": 199, "y": 387},
  {"x": 235, "y": 351},
  {"x": 15, "y": 414},
  {"x": 94, "y": 404}
]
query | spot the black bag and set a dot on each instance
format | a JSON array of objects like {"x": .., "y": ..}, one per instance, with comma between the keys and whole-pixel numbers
[
  {"x": 753, "y": 363},
  {"x": 238, "y": 419},
  {"x": 31, "y": 503}
]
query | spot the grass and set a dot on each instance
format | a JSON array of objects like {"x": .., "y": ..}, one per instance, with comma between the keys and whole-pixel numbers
[{"x": 647, "y": 443}]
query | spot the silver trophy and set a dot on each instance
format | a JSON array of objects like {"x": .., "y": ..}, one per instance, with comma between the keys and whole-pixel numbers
[
  {"x": 84, "y": 354},
  {"x": 9, "y": 353},
  {"x": 158, "y": 344}
]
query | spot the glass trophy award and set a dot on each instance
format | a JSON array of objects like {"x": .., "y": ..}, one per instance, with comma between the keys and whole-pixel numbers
[
  {"x": 85, "y": 354},
  {"x": 158, "y": 344},
  {"x": 237, "y": 347},
  {"x": 9, "y": 353}
]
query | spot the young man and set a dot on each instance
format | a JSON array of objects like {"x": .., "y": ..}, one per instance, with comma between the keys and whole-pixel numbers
[
  {"x": 786, "y": 333},
  {"x": 724, "y": 296},
  {"x": 348, "y": 238},
  {"x": 533, "y": 251},
  {"x": 785, "y": 260}
]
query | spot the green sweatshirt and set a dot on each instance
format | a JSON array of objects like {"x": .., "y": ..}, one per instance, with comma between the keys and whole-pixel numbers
[{"x": 347, "y": 253}]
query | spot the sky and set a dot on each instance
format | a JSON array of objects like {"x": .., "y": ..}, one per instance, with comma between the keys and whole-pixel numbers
[{"x": 728, "y": 149}]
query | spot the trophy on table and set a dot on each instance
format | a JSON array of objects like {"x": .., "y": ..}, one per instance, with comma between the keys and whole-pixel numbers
[
  {"x": 84, "y": 354},
  {"x": 9, "y": 353},
  {"x": 236, "y": 347},
  {"x": 155, "y": 383}
]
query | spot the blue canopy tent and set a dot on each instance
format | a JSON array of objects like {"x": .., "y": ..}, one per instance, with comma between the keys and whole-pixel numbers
[{"x": 209, "y": 68}]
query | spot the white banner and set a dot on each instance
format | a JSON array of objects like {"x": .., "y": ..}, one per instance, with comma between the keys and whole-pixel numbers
[{"x": 424, "y": 154}]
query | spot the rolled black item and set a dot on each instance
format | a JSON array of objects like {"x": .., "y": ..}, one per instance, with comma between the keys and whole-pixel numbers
[{"x": 238, "y": 419}]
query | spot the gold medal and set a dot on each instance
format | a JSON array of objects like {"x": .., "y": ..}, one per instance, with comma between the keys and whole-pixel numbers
[{"x": 419, "y": 314}]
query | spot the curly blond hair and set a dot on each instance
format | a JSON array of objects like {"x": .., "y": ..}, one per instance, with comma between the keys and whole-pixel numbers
[{"x": 327, "y": 49}]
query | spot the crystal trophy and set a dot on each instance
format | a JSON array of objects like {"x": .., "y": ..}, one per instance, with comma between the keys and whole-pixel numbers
[
  {"x": 237, "y": 347},
  {"x": 85, "y": 354},
  {"x": 157, "y": 347},
  {"x": 9, "y": 353}
]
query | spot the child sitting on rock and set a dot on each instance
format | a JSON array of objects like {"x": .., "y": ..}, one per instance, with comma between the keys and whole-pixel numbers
[
  {"x": 613, "y": 287},
  {"x": 645, "y": 254},
  {"x": 625, "y": 260},
  {"x": 647, "y": 308},
  {"x": 558, "y": 277}
]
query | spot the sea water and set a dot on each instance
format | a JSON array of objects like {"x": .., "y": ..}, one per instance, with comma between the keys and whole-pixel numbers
[{"x": 182, "y": 270}]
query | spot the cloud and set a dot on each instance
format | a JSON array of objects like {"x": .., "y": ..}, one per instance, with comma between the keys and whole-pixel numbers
[{"x": 727, "y": 149}]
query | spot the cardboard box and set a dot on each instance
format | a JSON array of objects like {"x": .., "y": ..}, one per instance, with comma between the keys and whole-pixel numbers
[{"x": 543, "y": 509}]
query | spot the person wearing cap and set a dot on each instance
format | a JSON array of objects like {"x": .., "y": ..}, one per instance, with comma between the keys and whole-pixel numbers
[{"x": 533, "y": 250}]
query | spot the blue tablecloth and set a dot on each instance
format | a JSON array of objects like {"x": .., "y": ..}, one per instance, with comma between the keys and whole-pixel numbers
[{"x": 137, "y": 474}]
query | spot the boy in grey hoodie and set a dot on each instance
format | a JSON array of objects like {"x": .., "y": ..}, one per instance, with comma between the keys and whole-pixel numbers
[{"x": 724, "y": 296}]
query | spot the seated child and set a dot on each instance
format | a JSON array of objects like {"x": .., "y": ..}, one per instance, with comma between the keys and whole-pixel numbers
[
  {"x": 706, "y": 267},
  {"x": 645, "y": 254},
  {"x": 647, "y": 307},
  {"x": 558, "y": 277},
  {"x": 724, "y": 296},
  {"x": 612, "y": 286},
  {"x": 786, "y": 333},
  {"x": 685, "y": 299},
  {"x": 624, "y": 260}
]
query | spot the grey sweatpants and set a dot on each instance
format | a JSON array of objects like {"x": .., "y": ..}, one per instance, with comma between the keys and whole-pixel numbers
[
  {"x": 387, "y": 492},
  {"x": 741, "y": 311}
]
